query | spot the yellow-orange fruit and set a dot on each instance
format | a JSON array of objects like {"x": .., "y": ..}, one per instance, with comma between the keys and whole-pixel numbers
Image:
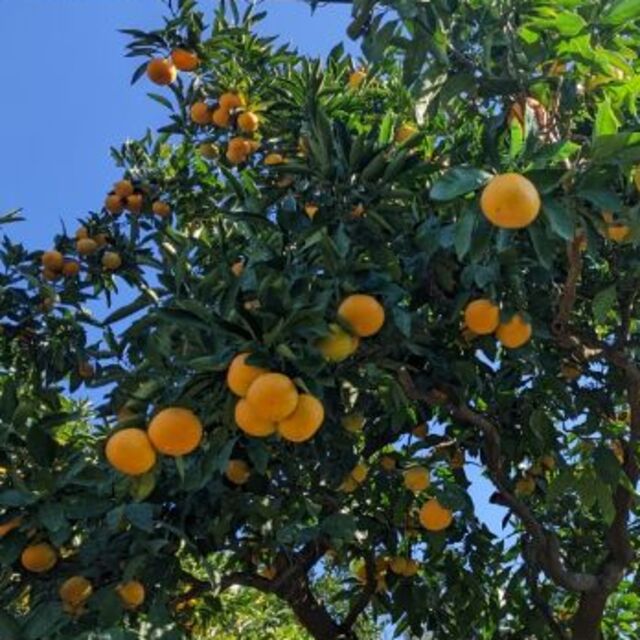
[
  {"x": 617, "y": 232},
  {"x": 240, "y": 375},
  {"x": 304, "y": 422},
  {"x": 356, "y": 78},
  {"x": 238, "y": 150},
  {"x": 525, "y": 486},
  {"x": 114, "y": 204},
  {"x": 102, "y": 239},
  {"x": 86, "y": 246},
  {"x": 410, "y": 568},
  {"x": 175, "y": 431},
  {"x": 248, "y": 122},
  {"x": 388, "y": 463},
  {"x": 39, "y": 558},
  {"x": 9, "y": 526},
  {"x": 273, "y": 159},
  {"x": 131, "y": 594},
  {"x": 482, "y": 316},
  {"x": 75, "y": 590},
  {"x": 209, "y": 150},
  {"x": 237, "y": 471},
  {"x": 311, "y": 210},
  {"x": 515, "y": 333},
  {"x": 252, "y": 423},
  {"x": 273, "y": 396},
  {"x": 185, "y": 60},
  {"x": 123, "y": 188},
  {"x": 134, "y": 203},
  {"x": 161, "y": 71},
  {"x": 221, "y": 117},
  {"x": 229, "y": 100},
  {"x": 354, "y": 422},
  {"x": 161, "y": 209},
  {"x": 398, "y": 565},
  {"x": 349, "y": 485},
  {"x": 404, "y": 132},
  {"x": 82, "y": 232},
  {"x": 71, "y": 268},
  {"x": 130, "y": 452},
  {"x": 435, "y": 517},
  {"x": 338, "y": 345},
  {"x": 510, "y": 201},
  {"x": 363, "y": 313},
  {"x": 417, "y": 479},
  {"x": 52, "y": 260},
  {"x": 358, "y": 211},
  {"x": 50, "y": 275},
  {"x": 111, "y": 260},
  {"x": 359, "y": 472},
  {"x": 200, "y": 113}
]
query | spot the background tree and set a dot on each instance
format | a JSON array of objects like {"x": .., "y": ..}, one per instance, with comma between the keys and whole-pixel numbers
[{"x": 355, "y": 283}]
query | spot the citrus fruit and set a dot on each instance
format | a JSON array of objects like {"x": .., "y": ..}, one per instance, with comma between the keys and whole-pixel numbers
[
  {"x": 130, "y": 452},
  {"x": 273, "y": 159},
  {"x": 185, "y": 60},
  {"x": 435, "y": 517},
  {"x": 362, "y": 313},
  {"x": 39, "y": 558},
  {"x": 248, "y": 122},
  {"x": 161, "y": 71},
  {"x": 482, "y": 316},
  {"x": 338, "y": 345},
  {"x": 359, "y": 472},
  {"x": 273, "y": 396},
  {"x": 356, "y": 78},
  {"x": 251, "y": 423},
  {"x": 133, "y": 203},
  {"x": 199, "y": 113},
  {"x": 305, "y": 420},
  {"x": 515, "y": 333},
  {"x": 75, "y": 590},
  {"x": 237, "y": 471},
  {"x": 161, "y": 209},
  {"x": 175, "y": 431},
  {"x": 52, "y": 260},
  {"x": 230, "y": 100},
  {"x": 221, "y": 117},
  {"x": 416, "y": 479},
  {"x": 10, "y": 525},
  {"x": 113, "y": 204},
  {"x": 123, "y": 188},
  {"x": 404, "y": 132},
  {"x": 240, "y": 375},
  {"x": 510, "y": 201},
  {"x": 354, "y": 422},
  {"x": 111, "y": 260},
  {"x": 86, "y": 246},
  {"x": 71, "y": 268},
  {"x": 131, "y": 594}
]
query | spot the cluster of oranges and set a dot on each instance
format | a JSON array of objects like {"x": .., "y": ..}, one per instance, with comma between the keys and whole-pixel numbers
[
  {"x": 482, "y": 318},
  {"x": 164, "y": 71},
  {"x": 400, "y": 565},
  {"x": 174, "y": 432},
  {"x": 126, "y": 196},
  {"x": 270, "y": 402},
  {"x": 364, "y": 317}
]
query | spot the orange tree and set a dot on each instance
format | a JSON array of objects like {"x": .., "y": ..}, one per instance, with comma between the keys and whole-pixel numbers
[{"x": 356, "y": 284}]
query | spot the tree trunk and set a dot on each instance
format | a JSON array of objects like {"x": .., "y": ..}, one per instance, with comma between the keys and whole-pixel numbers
[
  {"x": 312, "y": 615},
  {"x": 586, "y": 624}
]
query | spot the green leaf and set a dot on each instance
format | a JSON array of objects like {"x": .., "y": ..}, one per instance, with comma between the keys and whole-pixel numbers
[
  {"x": 607, "y": 465},
  {"x": 621, "y": 12},
  {"x": 52, "y": 516},
  {"x": 621, "y": 147},
  {"x": 606, "y": 120},
  {"x": 140, "y": 303},
  {"x": 9, "y": 628},
  {"x": 604, "y": 498},
  {"x": 340, "y": 525},
  {"x": 464, "y": 232},
  {"x": 560, "y": 219},
  {"x": 603, "y": 302},
  {"x": 140, "y": 515},
  {"x": 15, "y": 498},
  {"x": 457, "y": 182},
  {"x": 542, "y": 246}
]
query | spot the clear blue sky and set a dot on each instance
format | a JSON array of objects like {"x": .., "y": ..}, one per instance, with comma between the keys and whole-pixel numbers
[{"x": 67, "y": 100}]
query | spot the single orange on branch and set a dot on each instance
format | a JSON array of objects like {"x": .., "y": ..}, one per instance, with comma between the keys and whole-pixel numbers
[
  {"x": 130, "y": 452},
  {"x": 240, "y": 375},
  {"x": 175, "y": 431},
  {"x": 161, "y": 71},
  {"x": 252, "y": 423},
  {"x": 39, "y": 558},
  {"x": 304, "y": 422},
  {"x": 482, "y": 316},
  {"x": 434, "y": 517},
  {"x": 510, "y": 201},
  {"x": 273, "y": 396},
  {"x": 185, "y": 60},
  {"x": 362, "y": 313},
  {"x": 514, "y": 333}
]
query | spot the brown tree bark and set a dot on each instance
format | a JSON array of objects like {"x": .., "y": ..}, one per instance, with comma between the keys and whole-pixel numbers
[{"x": 586, "y": 624}]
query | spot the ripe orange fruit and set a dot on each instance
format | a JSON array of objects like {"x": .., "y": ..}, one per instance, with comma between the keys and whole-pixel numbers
[
  {"x": 75, "y": 590},
  {"x": 52, "y": 260},
  {"x": 482, "y": 316},
  {"x": 359, "y": 473},
  {"x": 398, "y": 565},
  {"x": 435, "y": 517},
  {"x": 130, "y": 452},
  {"x": 123, "y": 188},
  {"x": 388, "y": 463},
  {"x": 417, "y": 479},
  {"x": 131, "y": 594},
  {"x": 411, "y": 568},
  {"x": 515, "y": 333},
  {"x": 349, "y": 485},
  {"x": 363, "y": 313},
  {"x": 71, "y": 268},
  {"x": 185, "y": 60},
  {"x": 526, "y": 486},
  {"x": 52, "y": 276},
  {"x": 237, "y": 471},
  {"x": 39, "y": 558},
  {"x": 338, "y": 345},
  {"x": 200, "y": 113},
  {"x": 161, "y": 71},
  {"x": 510, "y": 201},
  {"x": 86, "y": 246},
  {"x": 273, "y": 159},
  {"x": 353, "y": 423},
  {"x": 311, "y": 210},
  {"x": 209, "y": 150},
  {"x": 229, "y": 100},
  {"x": 248, "y": 122},
  {"x": 221, "y": 117},
  {"x": 240, "y": 375},
  {"x": 161, "y": 209},
  {"x": 251, "y": 423},
  {"x": 175, "y": 431},
  {"x": 616, "y": 232},
  {"x": 102, "y": 239},
  {"x": 404, "y": 132},
  {"x": 10, "y": 525},
  {"x": 238, "y": 150},
  {"x": 356, "y": 78},
  {"x": 82, "y": 232},
  {"x": 113, "y": 204},
  {"x": 134, "y": 203},
  {"x": 273, "y": 396},
  {"x": 358, "y": 211},
  {"x": 304, "y": 422},
  {"x": 111, "y": 260}
]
